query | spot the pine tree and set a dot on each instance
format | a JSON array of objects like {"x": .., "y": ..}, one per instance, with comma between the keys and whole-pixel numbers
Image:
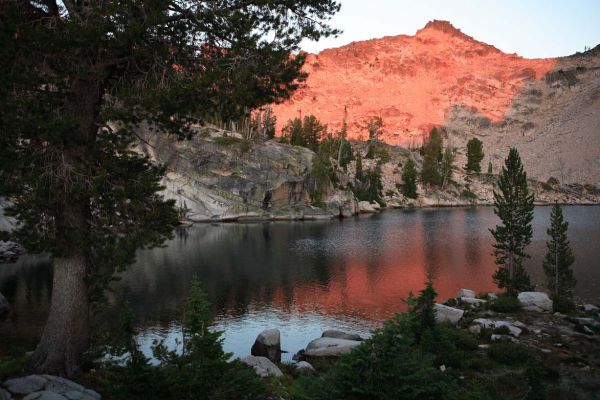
[
  {"x": 490, "y": 169},
  {"x": 409, "y": 176},
  {"x": 424, "y": 309},
  {"x": 513, "y": 204},
  {"x": 430, "y": 172},
  {"x": 79, "y": 78},
  {"x": 358, "y": 173},
  {"x": 447, "y": 166},
  {"x": 474, "y": 155},
  {"x": 559, "y": 258}
]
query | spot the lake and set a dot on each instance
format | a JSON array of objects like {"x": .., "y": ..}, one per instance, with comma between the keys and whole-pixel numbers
[{"x": 305, "y": 277}]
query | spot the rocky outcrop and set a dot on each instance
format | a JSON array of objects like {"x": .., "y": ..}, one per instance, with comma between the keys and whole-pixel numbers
[
  {"x": 268, "y": 344},
  {"x": 46, "y": 387},
  {"x": 262, "y": 366},
  {"x": 219, "y": 176},
  {"x": 535, "y": 301}
]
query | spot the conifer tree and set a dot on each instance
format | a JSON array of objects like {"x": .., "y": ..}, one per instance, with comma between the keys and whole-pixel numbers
[
  {"x": 358, "y": 173},
  {"x": 447, "y": 166},
  {"x": 79, "y": 81},
  {"x": 432, "y": 155},
  {"x": 559, "y": 258},
  {"x": 474, "y": 155},
  {"x": 409, "y": 176},
  {"x": 424, "y": 308},
  {"x": 513, "y": 204}
]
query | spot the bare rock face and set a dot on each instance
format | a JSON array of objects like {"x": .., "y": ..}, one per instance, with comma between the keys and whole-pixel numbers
[
  {"x": 268, "y": 344},
  {"x": 443, "y": 77}
]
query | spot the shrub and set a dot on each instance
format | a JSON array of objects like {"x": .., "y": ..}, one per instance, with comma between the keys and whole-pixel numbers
[
  {"x": 546, "y": 186},
  {"x": 509, "y": 353},
  {"x": 245, "y": 146},
  {"x": 506, "y": 304},
  {"x": 467, "y": 194},
  {"x": 199, "y": 371},
  {"x": 226, "y": 140}
]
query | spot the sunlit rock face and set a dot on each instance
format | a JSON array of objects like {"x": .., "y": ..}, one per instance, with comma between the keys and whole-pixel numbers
[{"x": 412, "y": 82}]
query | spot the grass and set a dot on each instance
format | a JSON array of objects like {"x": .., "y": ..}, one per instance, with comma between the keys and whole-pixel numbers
[
  {"x": 226, "y": 140},
  {"x": 509, "y": 353}
]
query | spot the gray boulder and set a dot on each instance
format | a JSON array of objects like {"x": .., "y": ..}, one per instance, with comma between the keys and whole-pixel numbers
[
  {"x": 262, "y": 366},
  {"x": 304, "y": 367},
  {"x": 61, "y": 385},
  {"x": 44, "y": 395},
  {"x": 329, "y": 347},
  {"x": 332, "y": 333},
  {"x": 26, "y": 384},
  {"x": 466, "y": 293},
  {"x": 268, "y": 344},
  {"x": 4, "y": 395},
  {"x": 535, "y": 301},
  {"x": 4, "y": 307},
  {"x": 365, "y": 207},
  {"x": 447, "y": 314}
]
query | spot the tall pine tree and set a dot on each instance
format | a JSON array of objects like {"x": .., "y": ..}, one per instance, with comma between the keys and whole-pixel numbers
[
  {"x": 474, "y": 155},
  {"x": 432, "y": 155},
  {"x": 78, "y": 79},
  {"x": 409, "y": 176},
  {"x": 513, "y": 204},
  {"x": 559, "y": 258}
]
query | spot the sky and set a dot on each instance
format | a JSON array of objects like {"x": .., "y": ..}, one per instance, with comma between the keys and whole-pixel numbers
[{"x": 530, "y": 28}]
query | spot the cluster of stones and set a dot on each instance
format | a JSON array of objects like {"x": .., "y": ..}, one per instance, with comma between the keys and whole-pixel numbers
[
  {"x": 45, "y": 387},
  {"x": 266, "y": 351}
]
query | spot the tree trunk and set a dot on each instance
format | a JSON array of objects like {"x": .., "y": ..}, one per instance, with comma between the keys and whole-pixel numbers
[{"x": 67, "y": 333}]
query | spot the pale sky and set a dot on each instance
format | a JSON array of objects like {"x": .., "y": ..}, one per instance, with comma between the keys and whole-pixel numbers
[{"x": 530, "y": 28}]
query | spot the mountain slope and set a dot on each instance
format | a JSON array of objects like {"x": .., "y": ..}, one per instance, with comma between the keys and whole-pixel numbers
[{"x": 442, "y": 77}]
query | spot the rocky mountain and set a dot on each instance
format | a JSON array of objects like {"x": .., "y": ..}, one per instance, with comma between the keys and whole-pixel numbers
[{"x": 548, "y": 108}]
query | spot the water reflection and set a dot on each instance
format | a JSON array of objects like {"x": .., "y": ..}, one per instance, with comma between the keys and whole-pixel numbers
[{"x": 305, "y": 277}]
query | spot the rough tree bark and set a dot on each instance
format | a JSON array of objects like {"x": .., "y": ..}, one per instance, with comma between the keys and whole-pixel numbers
[
  {"x": 66, "y": 336},
  {"x": 67, "y": 333}
]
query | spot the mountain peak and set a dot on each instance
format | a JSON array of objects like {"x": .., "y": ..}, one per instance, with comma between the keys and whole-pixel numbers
[{"x": 442, "y": 26}]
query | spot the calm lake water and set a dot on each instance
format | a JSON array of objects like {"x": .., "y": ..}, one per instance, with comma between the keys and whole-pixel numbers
[{"x": 305, "y": 277}]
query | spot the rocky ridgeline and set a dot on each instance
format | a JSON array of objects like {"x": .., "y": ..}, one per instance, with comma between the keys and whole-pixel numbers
[
  {"x": 219, "y": 176},
  {"x": 45, "y": 387},
  {"x": 559, "y": 338}
]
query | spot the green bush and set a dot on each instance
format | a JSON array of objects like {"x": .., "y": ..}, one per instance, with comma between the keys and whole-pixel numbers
[
  {"x": 467, "y": 194},
  {"x": 245, "y": 146},
  {"x": 226, "y": 140},
  {"x": 200, "y": 371},
  {"x": 509, "y": 353},
  {"x": 506, "y": 304}
]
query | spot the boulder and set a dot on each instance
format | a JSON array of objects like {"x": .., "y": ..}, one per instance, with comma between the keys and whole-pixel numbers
[
  {"x": 4, "y": 307},
  {"x": 304, "y": 367},
  {"x": 484, "y": 322},
  {"x": 4, "y": 395},
  {"x": 589, "y": 307},
  {"x": 447, "y": 314},
  {"x": 26, "y": 384},
  {"x": 268, "y": 344},
  {"x": 365, "y": 207},
  {"x": 535, "y": 301},
  {"x": 61, "y": 385},
  {"x": 590, "y": 323},
  {"x": 376, "y": 206},
  {"x": 473, "y": 301},
  {"x": 466, "y": 293},
  {"x": 44, "y": 395},
  {"x": 492, "y": 296},
  {"x": 513, "y": 330},
  {"x": 262, "y": 366},
  {"x": 329, "y": 347},
  {"x": 475, "y": 329},
  {"x": 332, "y": 333},
  {"x": 342, "y": 204}
]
